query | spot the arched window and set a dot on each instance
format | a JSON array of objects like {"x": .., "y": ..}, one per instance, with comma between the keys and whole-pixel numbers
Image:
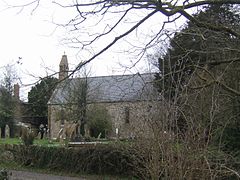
[
  {"x": 127, "y": 115},
  {"x": 62, "y": 116}
]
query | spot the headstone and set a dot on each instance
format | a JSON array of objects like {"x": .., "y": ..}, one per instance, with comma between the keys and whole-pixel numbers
[
  {"x": 7, "y": 131},
  {"x": 99, "y": 135},
  {"x": 60, "y": 135},
  {"x": 41, "y": 130},
  {"x": 117, "y": 132},
  {"x": 47, "y": 132},
  {"x": 39, "y": 135}
]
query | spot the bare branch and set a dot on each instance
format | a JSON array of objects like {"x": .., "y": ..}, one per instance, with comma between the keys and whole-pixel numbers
[{"x": 113, "y": 42}]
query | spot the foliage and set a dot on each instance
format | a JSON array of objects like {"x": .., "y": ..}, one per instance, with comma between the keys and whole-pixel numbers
[
  {"x": 4, "y": 174},
  {"x": 201, "y": 71},
  {"x": 98, "y": 120},
  {"x": 10, "y": 141},
  {"x": 196, "y": 48},
  {"x": 231, "y": 137},
  {"x": 129, "y": 160},
  {"x": 99, "y": 159},
  {"x": 39, "y": 142},
  {"x": 28, "y": 138},
  {"x": 39, "y": 96},
  {"x": 78, "y": 110},
  {"x": 7, "y": 100},
  {"x": 199, "y": 79},
  {"x": 163, "y": 158},
  {"x": 7, "y": 105}
]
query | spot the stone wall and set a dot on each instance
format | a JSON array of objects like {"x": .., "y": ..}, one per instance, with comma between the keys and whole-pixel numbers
[
  {"x": 129, "y": 119},
  {"x": 54, "y": 122}
]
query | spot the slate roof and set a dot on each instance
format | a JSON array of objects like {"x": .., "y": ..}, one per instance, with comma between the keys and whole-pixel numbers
[{"x": 117, "y": 88}]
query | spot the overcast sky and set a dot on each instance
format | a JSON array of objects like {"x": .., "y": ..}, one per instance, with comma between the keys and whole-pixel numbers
[
  {"x": 30, "y": 41},
  {"x": 26, "y": 42}
]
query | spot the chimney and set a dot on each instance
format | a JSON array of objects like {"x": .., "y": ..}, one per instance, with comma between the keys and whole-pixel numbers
[{"x": 16, "y": 91}]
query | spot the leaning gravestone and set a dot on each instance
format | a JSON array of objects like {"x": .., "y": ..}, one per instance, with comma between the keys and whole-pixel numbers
[{"x": 7, "y": 131}]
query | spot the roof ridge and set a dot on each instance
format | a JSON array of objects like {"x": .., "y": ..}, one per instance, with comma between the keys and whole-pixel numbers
[{"x": 118, "y": 75}]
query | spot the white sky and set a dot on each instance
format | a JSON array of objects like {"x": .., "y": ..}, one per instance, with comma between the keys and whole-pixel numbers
[{"x": 33, "y": 37}]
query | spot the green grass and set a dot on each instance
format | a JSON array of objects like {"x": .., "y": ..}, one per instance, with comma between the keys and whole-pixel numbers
[
  {"x": 10, "y": 141},
  {"x": 39, "y": 142}
]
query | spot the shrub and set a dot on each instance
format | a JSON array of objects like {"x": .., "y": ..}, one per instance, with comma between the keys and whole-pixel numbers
[
  {"x": 129, "y": 159},
  {"x": 6, "y": 156},
  {"x": 98, "y": 121},
  {"x": 4, "y": 174},
  {"x": 99, "y": 159},
  {"x": 28, "y": 138}
]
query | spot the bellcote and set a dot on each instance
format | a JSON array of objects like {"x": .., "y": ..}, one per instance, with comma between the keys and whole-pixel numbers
[{"x": 63, "y": 68}]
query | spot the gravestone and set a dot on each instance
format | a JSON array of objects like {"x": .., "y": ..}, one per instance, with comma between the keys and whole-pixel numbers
[
  {"x": 60, "y": 134},
  {"x": 7, "y": 131},
  {"x": 117, "y": 132},
  {"x": 41, "y": 131}
]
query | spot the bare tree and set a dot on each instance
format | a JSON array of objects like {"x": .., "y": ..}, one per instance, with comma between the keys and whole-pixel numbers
[
  {"x": 104, "y": 23},
  {"x": 171, "y": 152},
  {"x": 199, "y": 101}
]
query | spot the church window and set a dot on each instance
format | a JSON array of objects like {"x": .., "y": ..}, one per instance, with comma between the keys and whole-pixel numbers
[
  {"x": 62, "y": 116},
  {"x": 127, "y": 115}
]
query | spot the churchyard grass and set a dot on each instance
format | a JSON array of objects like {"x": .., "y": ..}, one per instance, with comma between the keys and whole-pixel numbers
[
  {"x": 40, "y": 142},
  {"x": 10, "y": 141}
]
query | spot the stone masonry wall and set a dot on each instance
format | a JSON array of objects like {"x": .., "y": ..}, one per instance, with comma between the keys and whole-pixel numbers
[{"x": 129, "y": 119}]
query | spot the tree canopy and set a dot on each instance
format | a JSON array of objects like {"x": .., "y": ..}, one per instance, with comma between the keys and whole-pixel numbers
[
  {"x": 201, "y": 73},
  {"x": 39, "y": 96},
  {"x": 98, "y": 121},
  {"x": 7, "y": 105},
  {"x": 7, "y": 100},
  {"x": 202, "y": 48}
]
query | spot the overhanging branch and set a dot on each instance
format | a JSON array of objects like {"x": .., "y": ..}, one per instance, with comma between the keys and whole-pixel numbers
[{"x": 80, "y": 65}]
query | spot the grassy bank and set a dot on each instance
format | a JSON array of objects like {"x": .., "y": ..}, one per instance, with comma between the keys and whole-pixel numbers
[{"x": 40, "y": 142}]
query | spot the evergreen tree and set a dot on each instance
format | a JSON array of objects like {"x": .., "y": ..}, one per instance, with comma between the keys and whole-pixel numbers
[
  {"x": 195, "y": 47},
  {"x": 7, "y": 101},
  {"x": 39, "y": 96},
  {"x": 7, "y": 105},
  {"x": 203, "y": 65}
]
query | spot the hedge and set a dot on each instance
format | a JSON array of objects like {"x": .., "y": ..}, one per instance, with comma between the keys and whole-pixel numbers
[{"x": 102, "y": 159}]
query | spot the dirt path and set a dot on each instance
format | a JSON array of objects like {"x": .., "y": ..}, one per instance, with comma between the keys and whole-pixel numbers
[{"x": 24, "y": 175}]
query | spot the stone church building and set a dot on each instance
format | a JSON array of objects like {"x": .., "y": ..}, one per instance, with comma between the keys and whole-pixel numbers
[{"x": 128, "y": 100}]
